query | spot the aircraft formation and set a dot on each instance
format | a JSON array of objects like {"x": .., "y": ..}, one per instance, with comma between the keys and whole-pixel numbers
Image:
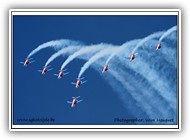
[{"x": 80, "y": 80}]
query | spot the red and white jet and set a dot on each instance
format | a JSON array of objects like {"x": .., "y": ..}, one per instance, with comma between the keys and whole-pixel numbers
[
  {"x": 74, "y": 101},
  {"x": 132, "y": 57},
  {"x": 61, "y": 73},
  {"x": 27, "y": 61},
  {"x": 158, "y": 46},
  {"x": 79, "y": 82},
  {"x": 105, "y": 68},
  {"x": 45, "y": 69}
]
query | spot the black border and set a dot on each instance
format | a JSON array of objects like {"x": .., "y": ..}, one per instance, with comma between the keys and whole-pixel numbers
[{"x": 90, "y": 15}]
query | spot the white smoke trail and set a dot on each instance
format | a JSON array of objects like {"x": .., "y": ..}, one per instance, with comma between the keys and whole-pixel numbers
[
  {"x": 169, "y": 31},
  {"x": 69, "y": 49},
  {"x": 115, "y": 53},
  {"x": 125, "y": 89},
  {"x": 151, "y": 71},
  {"x": 122, "y": 92},
  {"x": 145, "y": 51},
  {"x": 121, "y": 50},
  {"x": 150, "y": 103},
  {"x": 94, "y": 58},
  {"x": 160, "y": 88},
  {"x": 152, "y": 36},
  {"x": 154, "y": 103},
  {"x": 118, "y": 84},
  {"x": 142, "y": 97},
  {"x": 148, "y": 106},
  {"x": 153, "y": 76},
  {"x": 55, "y": 44},
  {"x": 85, "y": 50}
]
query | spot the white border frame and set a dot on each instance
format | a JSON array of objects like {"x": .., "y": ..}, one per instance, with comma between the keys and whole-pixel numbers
[{"x": 94, "y": 12}]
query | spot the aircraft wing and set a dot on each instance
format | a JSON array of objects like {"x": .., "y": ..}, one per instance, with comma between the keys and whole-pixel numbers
[
  {"x": 69, "y": 102},
  {"x": 55, "y": 75},
  {"x": 76, "y": 97},
  {"x": 50, "y": 69},
  {"x": 83, "y": 82},
  {"x": 31, "y": 61},
  {"x": 66, "y": 73},
  {"x": 79, "y": 101},
  {"x": 73, "y": 83},
  {"x": 82, "y": 78},
  {"x": 39, "y": 70},
  {"x": 21, "y": 62}
]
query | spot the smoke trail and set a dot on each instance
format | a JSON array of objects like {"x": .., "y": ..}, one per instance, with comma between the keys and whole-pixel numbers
[
  {"x": 69, "y": 49},
  {"x": 152, "y": 36},
  {"x": 85, "y": 50},
  {"x": 141, "y": 98},
  {"x": 122, "y": 92},
  {"x": 158, "y": 83},
  {"x": 127, "y": 92},
  {"x": 139, "y": 95},
  {"x": 141, "y": 92},
  {"x": 55, "y": 44},
  {"x": 121, "y": 50},
  {"x": 97, "y": 56},
  {"x": 152, "y": 93},
  {"x": 157, "y": 72},
  {"x": 147, "y": 87},
  {"x": 144, "y": 95},
  {"x": 117, "y": 85},
  {"x": 115, "y": 53},
  {"x": 168, "y": 107},
  {"x": 169, "y": 31}
]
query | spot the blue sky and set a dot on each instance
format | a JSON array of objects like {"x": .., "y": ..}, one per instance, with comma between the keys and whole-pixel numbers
[{"x": 44, "y": 96}]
